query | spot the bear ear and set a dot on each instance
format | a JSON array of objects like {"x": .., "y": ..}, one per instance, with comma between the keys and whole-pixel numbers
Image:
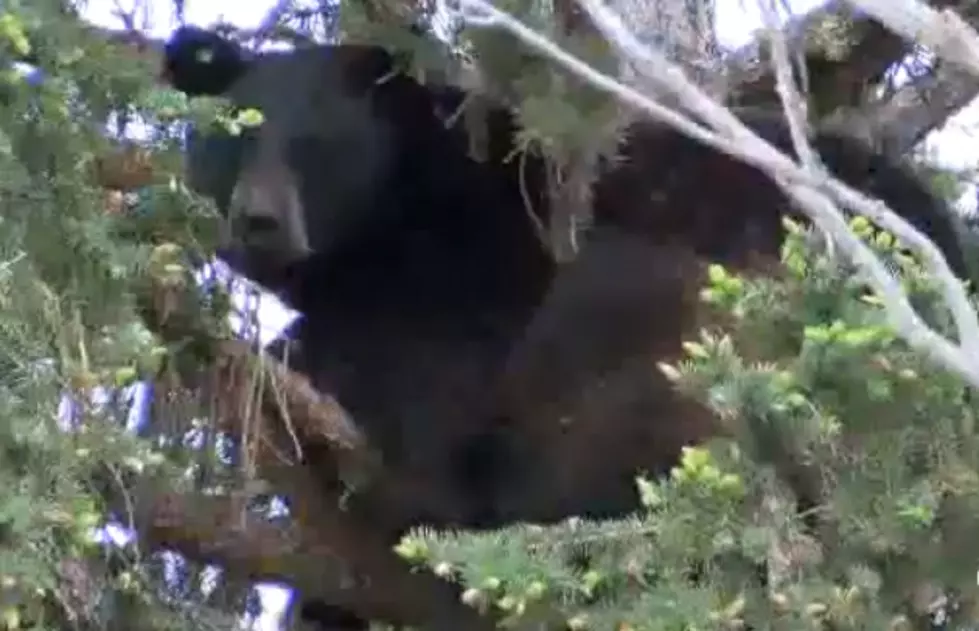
[{"x": 200, "y": 62}]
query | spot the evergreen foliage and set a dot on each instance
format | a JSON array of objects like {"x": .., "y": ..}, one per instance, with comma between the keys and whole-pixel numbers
[{"x": 73, "y": 343}]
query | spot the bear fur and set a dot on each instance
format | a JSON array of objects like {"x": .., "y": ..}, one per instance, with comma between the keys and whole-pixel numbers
[
  {"x": 582, "y": 380},
  {"x": 503, "y": 386}
]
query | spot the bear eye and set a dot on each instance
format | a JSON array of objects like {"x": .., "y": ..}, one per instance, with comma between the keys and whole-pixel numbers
[{"x": 205, "y": 55}]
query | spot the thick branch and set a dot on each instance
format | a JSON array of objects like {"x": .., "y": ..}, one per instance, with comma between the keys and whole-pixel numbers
[
  {"x": 325, "y": 540},
  {"x": 325, "y": 553},
  {"x": 833, "y": 83},
  {"x": 299, "y": 410},
  {"x": 899, "y": 123},
  {"x": 895, "y": 124},
  {"x": 925, "y": 103}
]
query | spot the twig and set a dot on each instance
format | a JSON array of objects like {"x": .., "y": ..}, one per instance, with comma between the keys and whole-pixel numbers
[{"x": 793, "y": 102}]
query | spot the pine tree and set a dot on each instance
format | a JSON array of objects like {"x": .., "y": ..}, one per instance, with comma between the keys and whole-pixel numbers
[{"x": 73, "y": 340}]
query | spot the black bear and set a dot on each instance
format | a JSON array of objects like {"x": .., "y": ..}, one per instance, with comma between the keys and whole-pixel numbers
[
  {"x": 423, "y": 269},
  {"x": 581, "y": 381},
  {"x": 425, "y": 263},
  {"x": 507, "y": 387}
]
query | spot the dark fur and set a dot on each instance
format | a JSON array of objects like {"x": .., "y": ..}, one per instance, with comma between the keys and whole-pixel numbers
[
  {"x": 725, "y": 208},
  {"x": 503, "y": 387},
  {"x": 581, "y": 383},
  {"x": 197, "y": 63}
]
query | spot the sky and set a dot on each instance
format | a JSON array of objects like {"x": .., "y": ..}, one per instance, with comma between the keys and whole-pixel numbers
[{"x": 736, "y": 20}]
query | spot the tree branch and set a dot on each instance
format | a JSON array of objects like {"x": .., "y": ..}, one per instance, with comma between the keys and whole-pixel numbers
[
  {"x": 899, "y": 123},
  {"x": 325, "y": 553},
  {"x": 326, "y": 541},
  {"x": 834, "y": 80}
]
